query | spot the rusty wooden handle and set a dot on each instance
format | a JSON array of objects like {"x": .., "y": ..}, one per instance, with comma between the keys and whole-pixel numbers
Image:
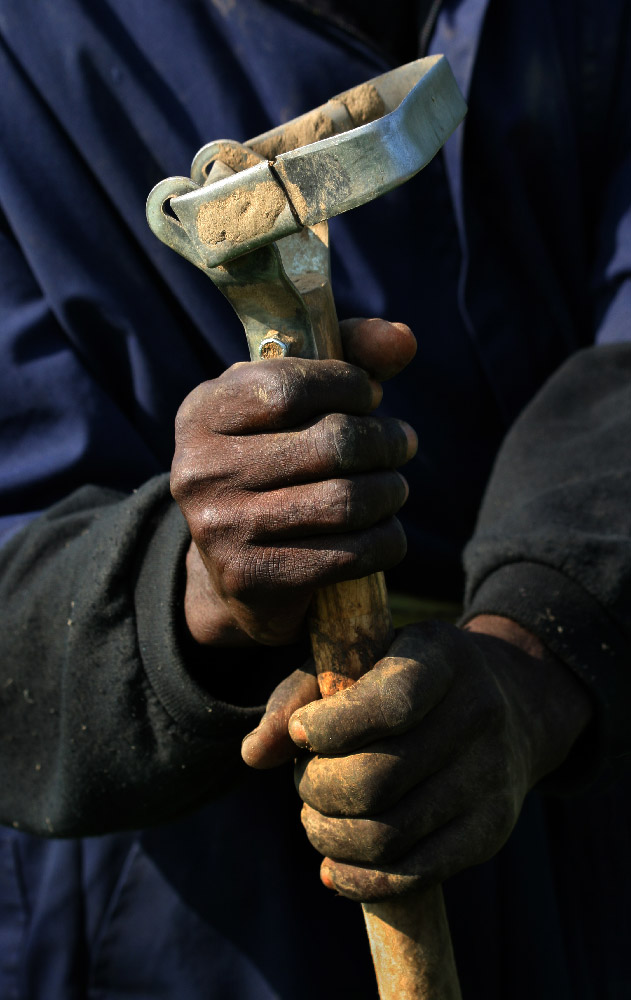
[
  {"x": 409, "y": 938},
  {"x": 411, "y": 947}
]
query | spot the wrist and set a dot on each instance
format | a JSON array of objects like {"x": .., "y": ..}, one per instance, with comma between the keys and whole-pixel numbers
[
  {"x": 509, "y": 631},
  {"x": 554, "y": 705}
]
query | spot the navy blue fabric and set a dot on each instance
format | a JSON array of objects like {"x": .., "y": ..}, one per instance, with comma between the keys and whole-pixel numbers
[
  {"x": 228, "y": 905},
  {"x": 103, "y": 331},
  {"x": 112, "y": 342}
]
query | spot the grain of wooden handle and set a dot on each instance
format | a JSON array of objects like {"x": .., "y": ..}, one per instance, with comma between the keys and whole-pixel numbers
[
  {"x": 411, "y": 947},
  {"x": 409, "y": 937}
]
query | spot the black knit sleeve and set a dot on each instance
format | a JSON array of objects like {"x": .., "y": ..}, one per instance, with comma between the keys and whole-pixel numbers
[
  {"x": 106, "y": 718},
  {"x": 552, "y": 548}
]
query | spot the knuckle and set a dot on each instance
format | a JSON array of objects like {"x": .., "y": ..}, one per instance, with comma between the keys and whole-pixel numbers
[
  {"x": 342, "y": 502},
  {"x": 363, "y": 502},
  {"x": 337, "y": 440},
  {"x": 398, "y": 693},
  {"x": 245, "y": 395},
  {"x": 368, "y": 785},
  {"x": 192, "y": 409},
  {"x": 375, "y": 842},
  {"x": 242, "y": 568},
  {"x": 359, "y": 841},
  {"x": 242, "y": 572},
  {"x": 254, "y": 572},
  {"x": 212, "y": 506},
  {"x": 180, "y": 480},
  {"x": 280, "y": 386},
  {"x": 345, "y": 562},
  {"x": 209, "y": 478},
  {"x": 187, "y": 481},
  {"x": 214, "y": 524},
  {"x": 358, "y": 443}
]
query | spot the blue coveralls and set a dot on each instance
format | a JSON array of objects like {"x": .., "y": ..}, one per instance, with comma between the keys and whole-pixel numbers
[{"x": 508, "y": 253}]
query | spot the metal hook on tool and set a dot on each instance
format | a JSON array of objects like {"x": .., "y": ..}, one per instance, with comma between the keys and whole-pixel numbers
[{"x": 165, "y": 223}]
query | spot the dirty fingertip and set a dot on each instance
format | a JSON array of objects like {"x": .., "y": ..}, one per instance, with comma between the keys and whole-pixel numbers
[
  {"x": 325, "y": 876},
  {"x": 407, "y": 341},
  {"x": 412, "y": 439},
  {"x": 297, "y": 733},
  {"x": 406, "y": 487},
  {"x": 377, "y": 393},
  {"x": 250, "y": 748}
]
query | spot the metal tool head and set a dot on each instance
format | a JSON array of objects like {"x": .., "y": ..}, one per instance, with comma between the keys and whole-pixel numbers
[
  {"x": 369, "y": 140},
  {"x": 253, "y": 216}
]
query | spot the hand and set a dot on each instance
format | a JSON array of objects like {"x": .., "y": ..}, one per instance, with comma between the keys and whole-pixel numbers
[
  {"x": 422, "y": 766},
  {"x": 288, "y": 483}
]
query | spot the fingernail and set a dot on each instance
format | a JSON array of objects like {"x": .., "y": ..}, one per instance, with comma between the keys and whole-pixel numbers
[
  {"x": 412, "y": 439},
  {"x": 407, "y": 487},
  {"x": 247, "y": 744},
  {"x": 325, "y": 877},
  {"x": 377, "y": 393},
  {"x": 298, "y": 734}
]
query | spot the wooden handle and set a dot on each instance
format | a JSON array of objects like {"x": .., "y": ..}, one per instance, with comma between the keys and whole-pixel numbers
[
  {"x": 409, "y": 937},
  {"x": 411, "y": 947},
  {"x": 351, "y": 629}
]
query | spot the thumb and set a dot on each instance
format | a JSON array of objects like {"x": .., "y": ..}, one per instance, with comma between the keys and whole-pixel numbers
[{"x": 270, "y": 744}]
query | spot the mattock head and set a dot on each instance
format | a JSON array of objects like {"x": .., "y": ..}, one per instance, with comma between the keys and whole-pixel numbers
[{"x": 260, "y": 214}]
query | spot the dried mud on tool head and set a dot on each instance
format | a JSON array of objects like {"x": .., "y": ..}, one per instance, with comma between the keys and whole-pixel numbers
[
  {"x": 354, "y": 107},
  {"x": 300, "y": 132},
  {"x": 240, "y": 214},
  {"x": 363, "y": 103},
  {"x": 405, "y": 117}
]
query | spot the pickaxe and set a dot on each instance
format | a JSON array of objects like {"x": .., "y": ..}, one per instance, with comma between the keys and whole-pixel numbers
[{"x": 253, "y": 217}]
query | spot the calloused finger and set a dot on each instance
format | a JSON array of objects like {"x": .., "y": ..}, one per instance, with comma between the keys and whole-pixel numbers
[
  {"x": 369, "y": 781},
  {"x": 275, "y": 394},
  {"x": 393, "y": 697},
  {"x": 353, "y": 503},
  {"x": 467, "y": 840},
  {"x": 390, "y": 833}
]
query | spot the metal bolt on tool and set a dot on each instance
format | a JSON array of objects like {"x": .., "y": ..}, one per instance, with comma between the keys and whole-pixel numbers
[{"x": 274, "y": 347}]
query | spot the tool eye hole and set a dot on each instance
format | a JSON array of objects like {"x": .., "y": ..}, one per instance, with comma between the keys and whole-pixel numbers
[{"x": 167, "y": 210}]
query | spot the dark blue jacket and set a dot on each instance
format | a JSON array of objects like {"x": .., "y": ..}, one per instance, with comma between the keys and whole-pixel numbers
[{"x": 506, "y": 255}]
